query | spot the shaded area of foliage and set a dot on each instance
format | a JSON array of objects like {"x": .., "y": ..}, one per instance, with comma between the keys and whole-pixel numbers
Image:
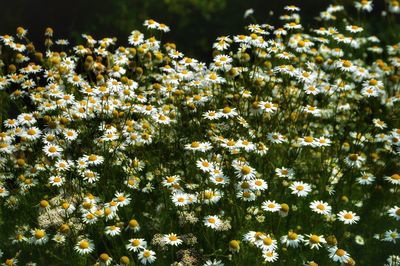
[{"x": 195, "y": 23}]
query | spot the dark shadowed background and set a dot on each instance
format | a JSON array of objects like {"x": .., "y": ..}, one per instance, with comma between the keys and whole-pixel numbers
[{"x": 194, "y": 23}]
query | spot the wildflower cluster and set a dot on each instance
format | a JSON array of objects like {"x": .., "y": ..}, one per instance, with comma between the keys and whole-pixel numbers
[{"x": 284, "y": 149}]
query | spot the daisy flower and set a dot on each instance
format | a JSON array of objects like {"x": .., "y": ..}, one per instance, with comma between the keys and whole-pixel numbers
[
  {"x": 135, "y": 38},
  {"x": 180, "y": 199},
  {"x": 56, "y": 181},
  {"x": 379, "y": 123},
  {"x": 172, "y": 239},
  {"x": 393, "y": 260},
  {"x": 68, "y": 207},
  {"x": 284, "y": 172},
  {"x": 266, "y": 243},
  {"x": 364, "y": 5},
  {"x": 105, "y": 259},
  {"x": 112, "y": 230},
  {"x": 136, "y": 244},
  {"x": 32, "y": 133},
  {"x": 3, "y": 192},
  {"x": 213, "y": 263},
  {"x": 59, "y": 238},
  {"x": 292, "y": 239},
  {"x": 84, "y": 246},
  {"x": 234, "y": 246},
  {"x": 292, "y": 25},
  {"x": 211, "y": 115},
  {"x": 354, "y": 29},
  {"x": 345, "y": 65},
  {"x": 147, "y": 256},
  {"x": 307, "y": 141},
  {"x": 258, "y": 184},
  {"x": 270, "y": 256},
  {"x": 210, "y": 196},
  {"x": 320, "y": 207},
  {"x": 245, "y": 172},
  {"x": 391, "y": 236},
  {"x": 10, "y": 123},
  {"x": 393, "y": 179},
  {"x": 227, "y": 112},
  {"x": 170, "y": 181},
  {"x": 134, "y": 225},
  {"x": 89, "y": 218},
  {"x": 354, "y": 160},
  {"x": 219, "y": 179},
  {"x": 52, "y": 151},
  {"x": 205, "y": 165},
  {"x": 292, "y": 8},
  {"x": 93, "y": 159},
  {"x": 90, "y": 176},
  {"x": 198, "y": 146},
  {"x": 63, "y": 165},
  {"x": 322, "y": 142},
  {"x": 39, "y": 237},
  {"x": 270, "y": 206},
  {"x": 365, "y": 179},
  {"x": 339, "y": 255},
  {"x": 395, "y": 213},
  {"x": 212, "y": 221},
  {"x": 314, "y": 241},
  {"x": 151, "y": 24},
  {"x": 300, "y": 189},
  {"x": 70, "y": 134},
  {"x": 268, "y": 107},
  {"x": 122, "y": 199},
  {"x": 348, "y": 217}
]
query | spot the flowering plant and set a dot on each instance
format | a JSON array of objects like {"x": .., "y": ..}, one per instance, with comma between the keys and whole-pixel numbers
[{"x": 285, "y": 148}]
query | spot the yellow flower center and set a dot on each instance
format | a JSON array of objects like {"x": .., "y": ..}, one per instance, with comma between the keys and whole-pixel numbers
[
  {"x": 226, "y": 110},
  {"x": 246, "y": 170},
  {"x": 172, "y": 238},
  {"x": 348, "y": 216},
  {"x": 395, "y": 177},
  {"x": 353, "y": 157},
  {"x": 308, "y": 139},
  {"x": 245, "y": 185},
  {"x": 346, "y": 63},
  {"x": 234, "y": 244},
  {"x": 84, "y": 244},
  {"x": 267, "y": 241},
  {"x": 31, "y": 132},
  {"x": 340, "y": 252},
  {"x": 133, "y": 223},
  {"x": 92, "y": 158},
  {"x": 146, "y": 254},
  {"x": 373, "y": 82},
  {"x": 39, "y": 234},
  {"x": 314, "y": 239},
  {"x": 135, "y": 242},
  {"x": 121, "y": 198},
  {"x": 195, "y": 144},
  {"x": 292, "y": 235},
  {"x": 104, "y": 257}
]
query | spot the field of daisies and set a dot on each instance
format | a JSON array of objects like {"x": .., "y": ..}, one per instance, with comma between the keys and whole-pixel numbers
[{"x": 283, "y": 150}]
